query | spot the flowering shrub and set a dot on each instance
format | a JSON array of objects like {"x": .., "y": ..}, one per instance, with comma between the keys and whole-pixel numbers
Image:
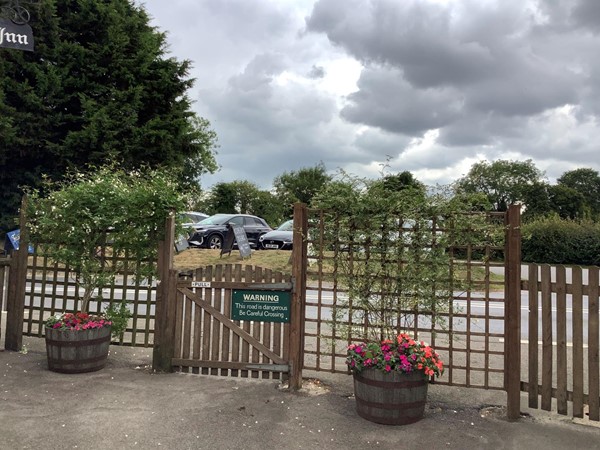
[
  {"x": 77, "y": 321},
  {"x": 402, "y": 355}
]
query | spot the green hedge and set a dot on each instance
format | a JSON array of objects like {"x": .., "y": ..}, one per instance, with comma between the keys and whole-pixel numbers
[{"x": 559, "y": 241}]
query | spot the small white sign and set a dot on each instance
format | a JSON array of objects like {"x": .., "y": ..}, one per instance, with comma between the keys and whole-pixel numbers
[{"x": 201, "y": 284}]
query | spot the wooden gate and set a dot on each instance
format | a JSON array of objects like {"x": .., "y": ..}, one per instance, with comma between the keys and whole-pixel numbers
[
  {"x": 562, "y": 320},
  {"x": 204, "y": 323},
  {"x": 208, "y": 340}
]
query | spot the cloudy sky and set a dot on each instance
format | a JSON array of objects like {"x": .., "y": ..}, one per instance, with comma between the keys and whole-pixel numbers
[{"x": 431, "y": 85}]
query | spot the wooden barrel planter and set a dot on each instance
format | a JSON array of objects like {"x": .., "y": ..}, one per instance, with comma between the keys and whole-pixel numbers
[
  {"x": 392, "y": 398},
  {"x": 77, "y": 351}
]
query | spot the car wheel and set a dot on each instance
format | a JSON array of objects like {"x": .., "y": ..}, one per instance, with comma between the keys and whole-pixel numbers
[{"x": 215, "y": 241}]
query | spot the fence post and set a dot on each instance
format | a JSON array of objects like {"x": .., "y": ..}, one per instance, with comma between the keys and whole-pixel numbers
[
  {"x": 163, "y": 346},
  {"x": 512, "y": 311},
  {"x": 299, "y": 257},
  {"x": 15, "y": 302}
]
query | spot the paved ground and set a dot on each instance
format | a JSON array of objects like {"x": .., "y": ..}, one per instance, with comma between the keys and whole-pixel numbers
[{"x": 127, "y": 406}]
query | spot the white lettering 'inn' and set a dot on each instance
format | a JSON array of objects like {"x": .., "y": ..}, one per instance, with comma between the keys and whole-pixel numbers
[{"x": 12, "y": 38}]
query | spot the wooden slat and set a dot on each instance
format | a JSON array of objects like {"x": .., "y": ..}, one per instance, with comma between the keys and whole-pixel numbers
[
  {"x": 248, "y": 275},
  {"x": 197, "y": 322},
  {"x": 546, "y": 338},
  {"x": 533, "y": 337},
  {"x": 65, "y": 286},
  {"x": 298, "y": 306},
  {"x": 178, "y": 299},
  {"x": 149, "y": 303},
  {"x": 513, "y": 307},
  {"x": 4, "y": 269},
  {"x": 135, "y": 304},
  {"x": 468, "y": 322},
  {"x": 266, "y": 329},
  {"x": 216, "y": 324},
  {"x": 525, "y": 387},
  {"x": 256, "y": 326},
  {"x": 593, "y": 344},
  {"x": 561, "y": 340},
  {"x": 54, "y": 288},
  {"x": 187, "y": 327},
  {"x": 172, "y": 307},
  {"x": 277, "y": 329},
  {"x": 229, "y": 365},
  {"x": 577, "y": 299},
  {"x": 206, "y": 321},
  {"x": 227, "y": 312},
  {"x": 45, "y": 277},
  {"x": 585, "y": 288},
  {"x": 235, "y": 339},
  {"x": 33, "y": 267},
  {"x": 486, "y": 377}
]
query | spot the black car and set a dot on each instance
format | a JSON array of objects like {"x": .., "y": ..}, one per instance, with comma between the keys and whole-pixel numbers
[
  {"x": 210, "y": 232},
  {"x": 191, "y": 219},
  {"x": 279, "y": 239}
]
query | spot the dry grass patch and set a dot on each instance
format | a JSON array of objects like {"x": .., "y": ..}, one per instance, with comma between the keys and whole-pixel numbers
[
  {"x": 280, "y": 260},
  {"x": 192, "y": 258}
]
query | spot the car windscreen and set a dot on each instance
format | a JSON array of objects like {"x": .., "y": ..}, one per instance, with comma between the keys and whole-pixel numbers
[
  {"x": 287, "y": 226},
  {"x": 219, "y": 219},
  {"x": 187, "y": 217}
]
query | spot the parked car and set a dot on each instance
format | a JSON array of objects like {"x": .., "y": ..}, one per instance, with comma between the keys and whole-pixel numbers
[
  {"x": 211, "y": 231},
  {"x": 279, "y": 239},
  {"x": 192, "y": 219}
]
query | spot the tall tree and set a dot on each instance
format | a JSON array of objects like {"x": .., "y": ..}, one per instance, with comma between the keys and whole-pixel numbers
[
  {"x": 98, "y": 86},
  {"x": 244, "y": 197},
  {"x": 567, "y": 202},
  {"x": 587, "y": 182},
  {"x": 301, "y": 185},
  {"x": 401, "y": 181},
  {"x": 222, "y": 198},
  {"x": 502, "y": 181}
]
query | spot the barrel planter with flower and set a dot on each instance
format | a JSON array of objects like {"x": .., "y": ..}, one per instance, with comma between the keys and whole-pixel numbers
[
  {"x": 77, "y": 343},
  {"x": 391, "y": 379}
]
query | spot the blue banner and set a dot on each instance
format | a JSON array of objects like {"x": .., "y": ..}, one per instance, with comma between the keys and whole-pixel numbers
[{"x": 12, "y": 241}]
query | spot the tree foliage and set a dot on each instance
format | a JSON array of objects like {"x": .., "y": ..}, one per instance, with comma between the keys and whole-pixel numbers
[
  {"x": 98, "y": 86},
  {"x": 586, "y": 182},
  {"x": 502, "y": 181},
  {"x": 552, "y": 240},
  {"x": 401, "y": 181},
  {"x": 86, "y": 211},
  {"x": 301, "y": 185},
  {"x": 244, "y": 197}
]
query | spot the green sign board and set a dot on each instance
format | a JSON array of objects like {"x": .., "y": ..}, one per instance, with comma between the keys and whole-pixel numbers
[{"x": 261, "y": 306}]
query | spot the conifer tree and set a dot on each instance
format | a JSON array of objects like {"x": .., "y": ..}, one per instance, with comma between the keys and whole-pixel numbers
[{"x": 99, "y": 86}]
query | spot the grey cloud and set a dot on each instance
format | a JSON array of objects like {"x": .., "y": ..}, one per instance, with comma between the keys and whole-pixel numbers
[
  {"x": 587, "y": 13},
  {"x": 477, "y": 56},
  {"x": 268, "y": 128},
  {"x": 258, "y": 74},
  {"x": 316, "y": 72},
  {"x": 385, "y": 100},
  {"x": 490, "y": 76},
  {"x": 477, "y": 129},
  {"x": 377, "y": 145}
]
